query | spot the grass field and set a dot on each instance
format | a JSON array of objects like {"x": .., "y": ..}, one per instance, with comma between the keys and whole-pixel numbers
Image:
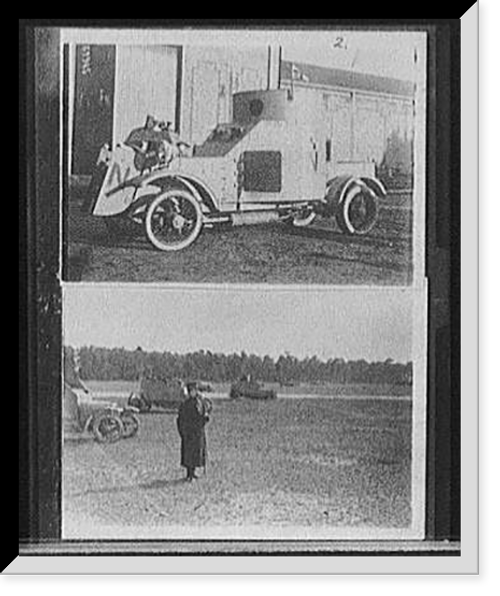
[{"x": 327, "y": 465}]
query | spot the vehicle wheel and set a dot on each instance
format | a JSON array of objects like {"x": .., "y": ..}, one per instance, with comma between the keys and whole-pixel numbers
[
  {"x": 173, "y": 220},
  {"x": 134, "y": 400},
  {"x": 357, "y": 212},
  {"x": 137, "y": 401},
  {"x": 130, "y": 424},
  {"x": 107, "y": 428},
  {"x": 303, "y": 218},
  {"x": 145, "y": 405}
]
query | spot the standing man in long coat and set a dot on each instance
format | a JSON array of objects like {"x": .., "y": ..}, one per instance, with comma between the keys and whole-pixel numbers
[{"x": 193, "y": 415}]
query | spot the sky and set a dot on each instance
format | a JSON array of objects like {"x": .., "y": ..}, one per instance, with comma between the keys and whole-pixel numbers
[{"x": 351, "y": 324}]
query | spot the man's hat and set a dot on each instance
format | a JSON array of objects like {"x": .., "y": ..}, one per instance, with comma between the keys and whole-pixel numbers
[{"x": 191, "y": 385}]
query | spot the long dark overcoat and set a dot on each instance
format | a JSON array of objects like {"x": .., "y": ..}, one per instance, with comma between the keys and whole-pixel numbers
[{"x": 191, "y": 422}]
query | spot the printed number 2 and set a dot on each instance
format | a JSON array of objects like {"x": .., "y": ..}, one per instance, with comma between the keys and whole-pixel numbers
[{"x": 340, "y": 43}]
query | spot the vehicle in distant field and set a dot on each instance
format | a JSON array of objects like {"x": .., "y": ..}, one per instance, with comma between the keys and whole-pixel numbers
[
  {"x": 271, "y": 163},
  {"x": 161, "y": 392},
  {"x": 247, "y": 387},
  {"x": 106, "y": 421},
  {"x": 155, "y": 391}
]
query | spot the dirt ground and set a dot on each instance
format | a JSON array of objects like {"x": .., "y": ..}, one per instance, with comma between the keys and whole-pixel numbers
[
  {"x": 273, "y": 253},
  {"x": 311, "y": 463}
]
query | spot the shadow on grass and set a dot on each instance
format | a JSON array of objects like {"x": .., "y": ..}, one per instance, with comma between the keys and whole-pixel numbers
[
  {"x": 332, "y": 235},
  {"x": 154, "y": 484},
  {"x": 162, "y": 483}
]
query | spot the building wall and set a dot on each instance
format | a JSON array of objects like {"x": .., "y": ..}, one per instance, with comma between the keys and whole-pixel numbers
[
  {"x": 114, "y": 88},
  {"x": 364, "y": 125},
  {"x": 146, "y": 81},
  {"x": 210, "y": 77}
]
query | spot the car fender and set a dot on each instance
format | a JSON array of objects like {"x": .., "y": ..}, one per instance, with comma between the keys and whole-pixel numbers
[
  {"x": 162, "y": 180},
  {"x": 376, "y": 186}
]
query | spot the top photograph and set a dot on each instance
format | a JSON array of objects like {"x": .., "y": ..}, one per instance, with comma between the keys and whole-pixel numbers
[{"x": 243, "y": 157}]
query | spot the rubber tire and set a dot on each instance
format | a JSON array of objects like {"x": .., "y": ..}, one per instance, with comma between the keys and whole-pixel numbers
[
  {"x": 134, "y": 401},
  {"x": 150, "y": 212},
  {"x": 342, "y": 213},
  {"x": 145, "y": 404},
  {"x": 130, "y": 424},
  {"x": 139, "y": 402},
  {"x": 99, "y": 433}
]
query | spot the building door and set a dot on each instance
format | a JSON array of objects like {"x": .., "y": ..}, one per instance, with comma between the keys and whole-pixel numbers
[
  {"x": 340, "y": 108},
  {"x": 205, "y": 107},
  {"x": 369, "y": 141},
  {"x": 146, "y": 84},
  {"x": 93, "y": 104}
]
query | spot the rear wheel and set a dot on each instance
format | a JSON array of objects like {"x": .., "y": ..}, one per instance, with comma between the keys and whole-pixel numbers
[
  {"x": 138, "y": 401},
  {"x": 107, "y": 428},
  {"x": 173, "y": 220},
  {"x": 357, "y": 211}
]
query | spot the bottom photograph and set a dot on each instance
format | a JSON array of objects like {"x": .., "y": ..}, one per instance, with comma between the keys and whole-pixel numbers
[{"x": 243, "y": 413}]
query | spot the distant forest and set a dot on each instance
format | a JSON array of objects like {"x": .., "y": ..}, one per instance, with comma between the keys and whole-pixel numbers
[{"x": 108, "y": 364}]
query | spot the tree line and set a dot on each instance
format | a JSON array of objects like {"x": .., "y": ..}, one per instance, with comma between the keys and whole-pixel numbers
[{"x": 107, "y": 364}]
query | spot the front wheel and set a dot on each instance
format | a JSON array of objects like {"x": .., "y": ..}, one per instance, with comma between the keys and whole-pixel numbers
[
  {"x": 357, "y": 211},
  {"x": 130, "y": 424},
  {"x": 173, "y": 220}
]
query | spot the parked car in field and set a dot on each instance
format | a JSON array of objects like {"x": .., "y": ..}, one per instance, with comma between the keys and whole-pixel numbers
[
  {"x": 161, "y": 392},
  {"x": 106, "y": 421},
  {"x": 247, "y": 387}
]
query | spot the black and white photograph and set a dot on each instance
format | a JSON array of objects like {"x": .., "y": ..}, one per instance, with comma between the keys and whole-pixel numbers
[
  {"x": 244, "y": 157},
  {"x": 243, "y": 295},
  {"x": 225, "y": 415}
]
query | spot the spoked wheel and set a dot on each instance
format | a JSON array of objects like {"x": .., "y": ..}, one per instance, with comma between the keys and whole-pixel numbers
[
  {"x": 357, "y": 212},
  {"x": 138, "y": 401},
  {"x": 303, "y": 218},
  {"x": 107, "y": 428},
  {"x": 173, "y": 220},
  {"x": 130, "y": 424}
]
